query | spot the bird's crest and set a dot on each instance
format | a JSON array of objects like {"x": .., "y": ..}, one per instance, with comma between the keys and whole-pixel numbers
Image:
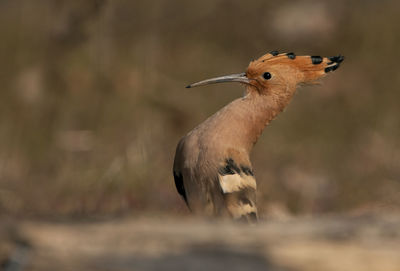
[{"x": 302, "y": 69}]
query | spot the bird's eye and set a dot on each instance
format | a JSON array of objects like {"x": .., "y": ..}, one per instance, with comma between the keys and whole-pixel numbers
[{"x": 267, "y": 75}]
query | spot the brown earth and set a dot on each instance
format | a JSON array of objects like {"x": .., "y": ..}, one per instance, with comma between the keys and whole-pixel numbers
[{"x": 320, "y": 243}]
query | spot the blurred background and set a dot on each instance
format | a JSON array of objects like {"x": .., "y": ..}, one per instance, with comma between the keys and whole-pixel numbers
[{"x": 92, "y": 103}]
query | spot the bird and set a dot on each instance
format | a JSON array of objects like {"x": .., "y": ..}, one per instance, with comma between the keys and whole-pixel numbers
[{"x": 212, "y": 168}]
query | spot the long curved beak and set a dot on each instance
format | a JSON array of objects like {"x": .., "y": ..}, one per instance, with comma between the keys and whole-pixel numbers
[{"x": 239, "y": 77}]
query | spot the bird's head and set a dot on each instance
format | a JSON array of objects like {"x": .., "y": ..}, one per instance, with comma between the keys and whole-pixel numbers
[{"x": 274, "y": 72}]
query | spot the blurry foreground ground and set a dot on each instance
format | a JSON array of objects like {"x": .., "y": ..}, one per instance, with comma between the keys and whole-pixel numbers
[{"x": 364, "y": 243}]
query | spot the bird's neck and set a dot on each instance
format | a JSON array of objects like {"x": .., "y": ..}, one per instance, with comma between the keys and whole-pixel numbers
[{"x": 246, "y": 118}]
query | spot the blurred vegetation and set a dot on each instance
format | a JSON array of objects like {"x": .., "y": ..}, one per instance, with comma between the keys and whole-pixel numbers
[{"x": 93, "y": 102}]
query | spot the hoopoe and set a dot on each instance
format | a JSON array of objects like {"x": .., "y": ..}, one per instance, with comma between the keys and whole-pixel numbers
[{"x": 212, "y": 168}]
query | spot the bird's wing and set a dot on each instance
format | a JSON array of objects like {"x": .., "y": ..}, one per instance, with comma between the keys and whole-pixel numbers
[
  {"x": 178, "y": 176},
  {"x": 179, "y": 185},
  {"x": 238, "y": 186}
]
